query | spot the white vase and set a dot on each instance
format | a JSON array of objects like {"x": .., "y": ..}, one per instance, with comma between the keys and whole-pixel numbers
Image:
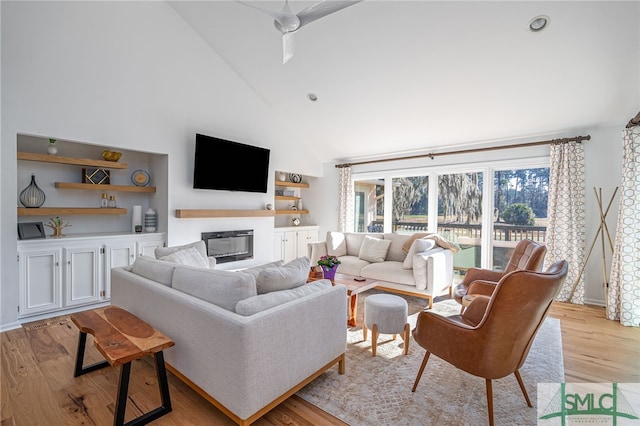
[
  {"x": 299, "y": 203},
  {"x": 136, "y": 219},
  {"x": 52, "y": 149},
  {"x": 282, "y": 176},
  {"x": 150, "y": 220}
]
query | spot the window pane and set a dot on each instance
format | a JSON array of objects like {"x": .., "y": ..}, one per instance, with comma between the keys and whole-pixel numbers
[
  {"x": 460, "y": 216},
  {"x": 369, "y": 205},
  {"x": 410, "y": 196},
  {"x": 520, "y": 210}
]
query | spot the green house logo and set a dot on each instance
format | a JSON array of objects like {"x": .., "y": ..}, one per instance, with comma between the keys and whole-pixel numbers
[{"x": 588, "y": 403}]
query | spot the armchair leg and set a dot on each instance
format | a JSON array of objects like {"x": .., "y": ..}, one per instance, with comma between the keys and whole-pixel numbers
[
  {"x": 424, "y": 364},
  {"x": 490, "y": 401},
  {"x": 524, "y": 390}
]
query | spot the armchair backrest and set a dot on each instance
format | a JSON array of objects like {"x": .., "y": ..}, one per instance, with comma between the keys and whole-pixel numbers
[
  {"x": 516, "y": 310},
  {"x": 528, "y": 255}
]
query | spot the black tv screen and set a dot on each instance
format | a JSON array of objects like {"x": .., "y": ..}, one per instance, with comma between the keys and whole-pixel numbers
[{"x": 214, "y": 157}]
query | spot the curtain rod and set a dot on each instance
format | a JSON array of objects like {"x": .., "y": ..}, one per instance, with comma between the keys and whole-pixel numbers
[{"x": 578, "y": 139}]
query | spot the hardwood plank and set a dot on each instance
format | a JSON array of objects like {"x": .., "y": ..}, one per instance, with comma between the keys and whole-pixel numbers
[{"x": 33, "y": 393}]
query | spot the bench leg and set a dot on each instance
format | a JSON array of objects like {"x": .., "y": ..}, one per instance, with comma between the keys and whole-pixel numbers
[
  {"x": 123, "y": 390},
  {"x": 79, "y": 370}
]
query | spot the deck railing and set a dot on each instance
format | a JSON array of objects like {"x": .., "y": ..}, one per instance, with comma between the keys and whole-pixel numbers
[{"x": 501, "y": 231}]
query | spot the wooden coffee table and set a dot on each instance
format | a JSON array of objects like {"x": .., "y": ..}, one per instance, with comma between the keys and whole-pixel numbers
[{"x": 353, "y": 288}]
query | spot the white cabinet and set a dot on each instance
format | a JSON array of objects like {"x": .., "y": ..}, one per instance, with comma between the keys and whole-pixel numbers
[
  {"x": 291, "y": 243},
  {"x": 82, "y": 274},
  {"x": 40, "y": 278},
  {"x": 56, "y": 274}
]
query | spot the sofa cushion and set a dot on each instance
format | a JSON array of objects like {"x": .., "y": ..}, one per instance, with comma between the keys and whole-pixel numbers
[
  {"x": 222, "y": 288},
  {"x": 374, "y": 249},
  {"x": 290, "y": 275},
  {"x": 439, "y": 239},
  {"x": 188, "y": 256},
  {"x": 354, "y": 242},
  {"x": 198, "y": 245},
  {"x": 418, "y": 246},
  {"x": 395, "y": 249},
  {"x": 351, "y": 265},
  {"x": 389, "y": 271},
  {"x": 255, "y": 270},
  {"x": 153, "y": 269},
  {"x": 336, "y": 244},
  {"x": 262, "y": 302}
]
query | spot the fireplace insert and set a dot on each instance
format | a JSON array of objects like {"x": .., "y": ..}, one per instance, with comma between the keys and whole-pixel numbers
[{"x": 229, "y": 246}]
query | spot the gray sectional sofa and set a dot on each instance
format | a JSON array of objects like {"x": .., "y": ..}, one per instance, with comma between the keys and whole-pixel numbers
[
  {"x": 244, "y": 340},
  {"x": 419, "y": 265}
]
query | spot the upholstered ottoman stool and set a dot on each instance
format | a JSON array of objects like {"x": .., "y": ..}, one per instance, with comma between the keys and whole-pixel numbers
[{"x": 385, "y": 314}]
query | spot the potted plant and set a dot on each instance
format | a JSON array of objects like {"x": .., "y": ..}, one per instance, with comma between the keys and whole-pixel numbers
[
  {"x": 329, "y": 265},
  {"x": 52, "y": 149}
]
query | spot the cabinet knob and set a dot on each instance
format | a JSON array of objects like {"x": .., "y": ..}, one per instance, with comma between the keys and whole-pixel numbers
[{"x": 68, "y": 262}]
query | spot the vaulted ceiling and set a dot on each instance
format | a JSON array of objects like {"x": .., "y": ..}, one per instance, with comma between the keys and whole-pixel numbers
[{"x": 418, "y": 76}]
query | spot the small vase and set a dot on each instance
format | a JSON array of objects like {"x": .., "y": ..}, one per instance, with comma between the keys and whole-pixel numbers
[
  {"x": 32, "y": 196},
  {"x": 150, "y": 220},
  {"x": 329, "y": 273},
  {"x": 52, "y": 149}
]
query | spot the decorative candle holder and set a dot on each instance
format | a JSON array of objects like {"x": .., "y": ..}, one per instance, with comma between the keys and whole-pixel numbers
[{"x": 32, "y": 196}]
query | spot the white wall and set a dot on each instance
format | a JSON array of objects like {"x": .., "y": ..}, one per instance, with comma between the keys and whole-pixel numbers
[
  {"x": 603, "y": 159},
  {"x": 130, "y": 75}
]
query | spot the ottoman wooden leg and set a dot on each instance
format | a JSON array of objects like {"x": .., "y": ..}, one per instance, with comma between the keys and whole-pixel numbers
[
  {"x": 364, "y": 332},
  {"x": 374, "y": 339},
  {"x": 405, "y": 337}
]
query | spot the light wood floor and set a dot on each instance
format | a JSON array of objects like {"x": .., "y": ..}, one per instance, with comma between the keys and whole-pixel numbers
[{"x": 38, "y": 387}]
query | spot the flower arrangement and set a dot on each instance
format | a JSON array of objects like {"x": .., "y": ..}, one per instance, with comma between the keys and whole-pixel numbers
[{"x": 328, "y": 261}]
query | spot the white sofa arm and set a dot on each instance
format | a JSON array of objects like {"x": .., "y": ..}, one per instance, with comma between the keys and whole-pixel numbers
[
  {"x": 433, "y": 270},
  {"x": 316, "y": 250}
]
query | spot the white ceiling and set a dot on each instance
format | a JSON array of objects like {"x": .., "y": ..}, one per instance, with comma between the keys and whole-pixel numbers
[{"x": 418, "y": 76}]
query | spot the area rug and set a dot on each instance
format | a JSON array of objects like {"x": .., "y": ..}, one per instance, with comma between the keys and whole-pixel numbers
[{"x": 377, "y": 390}]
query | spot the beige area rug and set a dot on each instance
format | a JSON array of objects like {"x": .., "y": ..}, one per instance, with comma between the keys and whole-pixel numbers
[{"x": 377, "y": 391}]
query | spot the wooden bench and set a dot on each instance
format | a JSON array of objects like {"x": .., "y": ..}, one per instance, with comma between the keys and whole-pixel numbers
[{"x": 121, "y": 337}]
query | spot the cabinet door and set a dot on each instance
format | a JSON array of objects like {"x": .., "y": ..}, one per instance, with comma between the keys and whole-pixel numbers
[
  {"x": 82, "y": 275},
  {"x": 117, "y": 254},
  {"x": 39, "y": 281},
  {"x": 278, "y": 246},
  {"x": 290, "y": 243},
  {"x": 147, "y": 248},
  {"x": 303, "y": 239}
]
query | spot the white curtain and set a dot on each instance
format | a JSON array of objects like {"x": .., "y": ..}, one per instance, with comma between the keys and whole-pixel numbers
[
  {"x": 345, "y": 200},
  {"x": 623, "y": 302},
  {"x": 566, "y": 213}
]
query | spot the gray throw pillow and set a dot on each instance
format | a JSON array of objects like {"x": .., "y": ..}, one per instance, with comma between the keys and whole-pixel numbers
[
  {"x": 153, "y": 269},
  {"x": 222, "y": 288},
  {"x": 290, "y": 275},
  {"x": 262, "y": 302},
  {"x": 189, "y": 256},
  {"x": 255, "y": 270}
]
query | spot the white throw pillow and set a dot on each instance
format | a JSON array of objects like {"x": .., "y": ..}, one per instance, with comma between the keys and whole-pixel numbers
[
  {"x": 336, "y": 244},
  {"x": 374, "y": 249},
  {"x": 198, "y": 245},
  {"x": 153, "y": 269},
  {"x": 290, "y": 275},
  {"x": 262, "y": 302},
  {"x": 189, "y": 256},
  {"x": 418, "y": 246}
]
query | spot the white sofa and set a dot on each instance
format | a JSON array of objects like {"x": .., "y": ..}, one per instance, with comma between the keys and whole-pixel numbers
[
  {"x": 426, "y": 270},
  {"x": 244, "y": 352}
]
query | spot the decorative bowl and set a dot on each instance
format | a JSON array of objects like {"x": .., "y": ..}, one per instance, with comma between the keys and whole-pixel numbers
[{"x": 111, "y": 155}]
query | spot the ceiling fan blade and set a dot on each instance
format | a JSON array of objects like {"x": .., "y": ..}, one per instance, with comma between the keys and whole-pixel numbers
[
  {"x": 282, "y": 19},
  {"x": 287, "y": 47},
  {"x": 323, "y": 8}
]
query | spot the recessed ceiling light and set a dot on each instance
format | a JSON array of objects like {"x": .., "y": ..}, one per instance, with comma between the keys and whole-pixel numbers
[
  {"x": 539, "y": 23},
  {"x": 312, "y": 97}
]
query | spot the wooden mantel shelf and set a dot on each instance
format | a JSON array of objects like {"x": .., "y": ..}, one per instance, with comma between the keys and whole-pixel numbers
[
  {"x": 46, "y": 158},
  {"x": 57, "y": 211},
  {"x": 103, "y": 187},
  {"x": 203, "y": 213}
]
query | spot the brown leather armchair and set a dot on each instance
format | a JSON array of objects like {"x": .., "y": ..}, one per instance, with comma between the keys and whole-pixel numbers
[
  {"x": 500, "y": 327},
  {"x": 528, "y": 255}
]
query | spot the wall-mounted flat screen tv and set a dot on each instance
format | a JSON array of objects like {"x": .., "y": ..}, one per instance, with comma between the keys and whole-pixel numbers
[{"x": 231, "y": 166}]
